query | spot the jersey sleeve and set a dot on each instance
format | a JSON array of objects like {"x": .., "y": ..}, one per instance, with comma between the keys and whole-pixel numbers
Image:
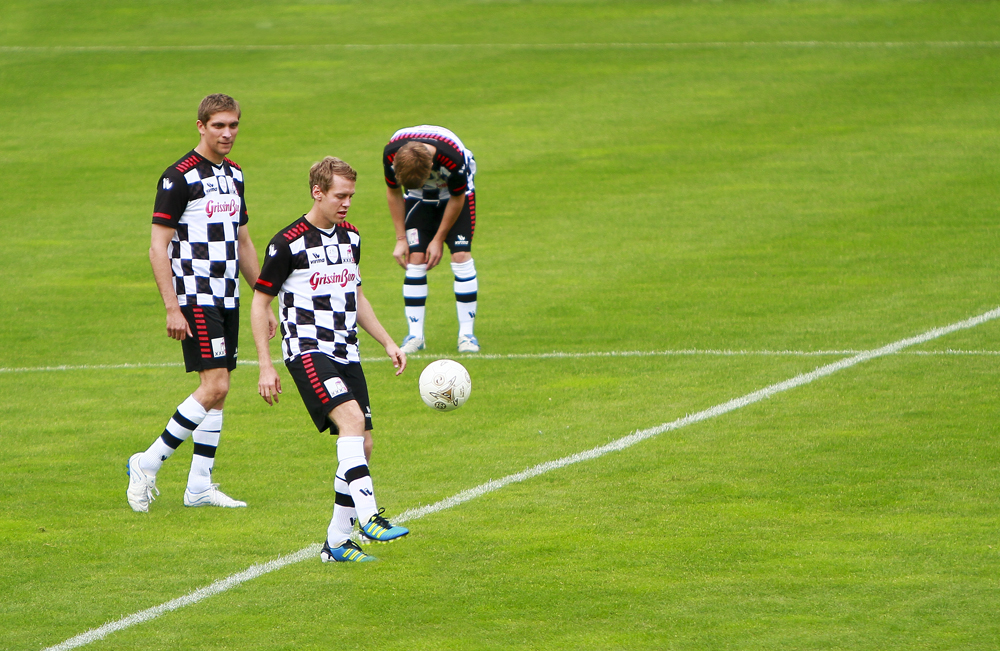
[
  {"x": 171, "y": 199},
  {"x": 458, "y": 181},
  {"x": 276, "y": 268},
  {"x": 390, "y": 174},
  {"x": 237, "y": 173}
]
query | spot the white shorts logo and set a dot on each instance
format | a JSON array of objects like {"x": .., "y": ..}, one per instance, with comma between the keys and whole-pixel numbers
[
  {"x": 412, "y": 238},
  {"x": 219, "y": 347},
  {"x": 335, "y": 386}
]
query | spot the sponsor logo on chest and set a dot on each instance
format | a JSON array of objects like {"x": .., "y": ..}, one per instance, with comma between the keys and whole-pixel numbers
[
  {"x": 219, "y": 208},
  {"x": 342, "y": 276}
]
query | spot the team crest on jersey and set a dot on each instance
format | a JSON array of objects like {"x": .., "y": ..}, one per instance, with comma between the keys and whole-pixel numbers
[{"x": 340, "y": 254}]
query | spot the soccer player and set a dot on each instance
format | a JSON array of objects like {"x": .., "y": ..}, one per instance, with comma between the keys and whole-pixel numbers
[
  {"x": 312, "y": 267},
  {"x": 438, "y": 208},
  {"x": 198, "y": 247}
]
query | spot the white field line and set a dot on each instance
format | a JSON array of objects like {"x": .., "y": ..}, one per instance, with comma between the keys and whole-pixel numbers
[
  {"x": 255, "y": 571},
  {"x": 12, "y": 49},
  {"x": 514, "y": 356}
]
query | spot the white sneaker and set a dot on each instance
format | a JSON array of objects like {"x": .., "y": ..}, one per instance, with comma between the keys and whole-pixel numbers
[
  {"x": 212, "y": 497},
  {"x": 468, "y": 344},
  {"x": 141, "y": 485},
  {"x": 411, "y": 344}
]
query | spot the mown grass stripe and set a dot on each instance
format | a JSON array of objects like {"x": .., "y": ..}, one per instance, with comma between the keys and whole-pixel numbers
[
  {"x": 623, "y": 443},
  {"x": 552, "y": 355},
  {"x": 679, "y": 45}
]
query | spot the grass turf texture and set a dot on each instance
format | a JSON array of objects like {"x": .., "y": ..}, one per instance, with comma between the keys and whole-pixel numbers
[{"x": 630, "y": 198}]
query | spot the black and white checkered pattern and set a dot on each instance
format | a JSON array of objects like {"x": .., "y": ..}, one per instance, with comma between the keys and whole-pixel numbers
[
  {"x": 453, "y": 170},
  {"x": 204, "y": 205},
  {"x": 315, "y": 276}
]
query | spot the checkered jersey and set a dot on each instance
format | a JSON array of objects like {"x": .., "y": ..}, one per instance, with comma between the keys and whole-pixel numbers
[
  {"x": 453, "y": 168},
  {"x": 315, "y": 277},
  {"x": 204, "y": 205}
]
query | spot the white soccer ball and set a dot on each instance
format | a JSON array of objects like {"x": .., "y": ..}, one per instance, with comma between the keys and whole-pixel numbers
[{"x": 445, "y": 385}]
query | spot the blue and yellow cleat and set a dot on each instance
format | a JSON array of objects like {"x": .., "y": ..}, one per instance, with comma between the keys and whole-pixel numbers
[
  {"x": 379, "y": 529},
  {"x": 349, "y": 552}
]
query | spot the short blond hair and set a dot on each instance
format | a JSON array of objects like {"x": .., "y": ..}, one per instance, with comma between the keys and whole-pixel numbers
[
  {"x": 413, "y": 164},
  {"x": 321, "y": 174},
  {"x": 217, "y": 103}
]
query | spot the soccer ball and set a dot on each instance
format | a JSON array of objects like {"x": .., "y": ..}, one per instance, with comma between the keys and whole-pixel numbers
[{"x": 445, "y": 385}]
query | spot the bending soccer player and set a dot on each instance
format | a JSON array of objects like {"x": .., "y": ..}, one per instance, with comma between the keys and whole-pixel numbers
[
  {"x": 312, "y": 267},
  {"x": 438, "y": 208},
  {"x": 198, "y": 247}
]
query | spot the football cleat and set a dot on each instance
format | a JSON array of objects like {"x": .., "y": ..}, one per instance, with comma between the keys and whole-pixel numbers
[
  {"x": 212, "y": 497},
  {"x": 411, "y": 344},
  {"x": 349, "y": 552},
  {"x": 379, "y": 529},
  {"x": 141, "y": 485},
  {"x": 468, "y": 344}
]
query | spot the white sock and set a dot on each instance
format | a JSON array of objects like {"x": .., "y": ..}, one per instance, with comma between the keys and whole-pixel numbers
[
  {"x": 186, "y": 418},
  {"x": 466, "y": 295},
  {"x": 344, "y": 515},
  {"x": 415, "y": 298},
  {"x": 354, "y": 469},
  {"x": 206, "y": 440}
]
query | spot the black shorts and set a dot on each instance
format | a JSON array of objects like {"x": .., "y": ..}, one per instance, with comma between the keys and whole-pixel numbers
[
  {"x": 216, "y": 337},
  {"x": 424, "y": 218},
  {"x": 325, "y": 384}
]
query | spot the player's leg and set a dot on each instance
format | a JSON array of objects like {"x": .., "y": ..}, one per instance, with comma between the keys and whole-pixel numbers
[
  {"x": 327, "y": 387},
  {"x": 221, "y": 329},
  {"x": 339, "y": 545},
  {"x": 354, "y": 447},
  {"x": 463, "y": 266},
  {"x": 420, "y": 219},
  {"x": 143, "y": 466}
]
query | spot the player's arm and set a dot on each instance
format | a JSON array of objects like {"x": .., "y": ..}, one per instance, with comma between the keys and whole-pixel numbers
[
  {"x": 250, "y": 268},
  {"x": 397, "y": 210},
  {"x": 435, "y": 250},
  {"x": 261, "y": 316},
  {"x": 177, "y": 325},
  {"x": 371, "y": 325}
]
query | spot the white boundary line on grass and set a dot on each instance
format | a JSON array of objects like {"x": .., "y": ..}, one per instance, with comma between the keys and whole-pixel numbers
[
  {"x": 552, "y": 355},
  {"x": 686, "y": 45},
  {"x": 255, "y": 571}
]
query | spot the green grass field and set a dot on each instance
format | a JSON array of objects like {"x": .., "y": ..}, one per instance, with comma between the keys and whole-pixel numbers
[{"x": 678, "y": 179}]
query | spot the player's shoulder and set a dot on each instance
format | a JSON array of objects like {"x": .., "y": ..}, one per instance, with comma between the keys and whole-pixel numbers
[
  {"x": 292, "y": 232},
  {"x": 184, "y": 164},
  {"x": 350, "y": 227},
  {"x": 232, "y": 163}
]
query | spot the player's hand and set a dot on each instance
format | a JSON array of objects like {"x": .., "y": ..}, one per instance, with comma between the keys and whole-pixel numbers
[
  {"x": 398, "y": 358},
  {"x": 401, "y": 253},
  {"x": 434, "y": 252},
  {"x": 272, "y": 325},
  {"x": 269, "y": 385},
  {"x": 177, "y": 325}
]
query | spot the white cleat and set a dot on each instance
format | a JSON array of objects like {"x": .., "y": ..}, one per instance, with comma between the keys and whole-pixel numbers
[
  {"x": 468, "y": 344},
  {"x": 411, "y": 344},
  {"x": 212, "y": 497},
  {"x": 141, "y": 486}
]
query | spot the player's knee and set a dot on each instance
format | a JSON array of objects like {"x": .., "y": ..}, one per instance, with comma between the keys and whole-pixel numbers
[
  {"x": 214, "y": 387},
  {"x": 461, "y": 256},
  {"x": 349, "y": 419}
]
